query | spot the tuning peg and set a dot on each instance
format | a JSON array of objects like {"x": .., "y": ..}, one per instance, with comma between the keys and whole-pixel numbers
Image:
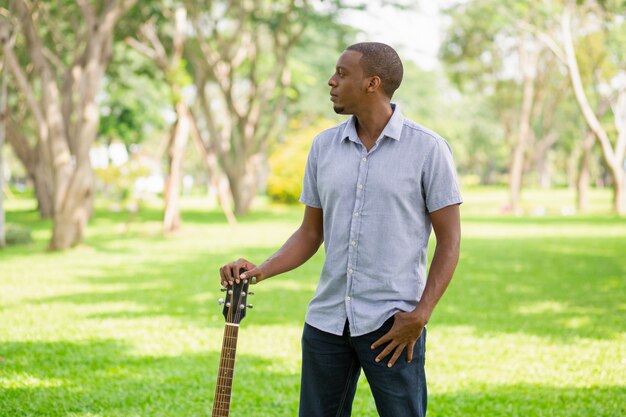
[
  {"x": 243, "y": 293},
  {"x": 250, "y": 306},
  {"x": 220, "y": 301},
  {"x": 222, "y": 289},
  {"x": 242, "y": 307},
  {"x": 250, "y": 293},
  {"x": 245, "y": 281},
  {"x": 253, "y": 280}
]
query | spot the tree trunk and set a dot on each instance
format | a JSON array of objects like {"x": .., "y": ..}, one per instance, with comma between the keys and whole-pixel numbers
[
  {"x": 33, "y": 161},
  {"x": 582, "y": 185},
  {"x": 72, "y": 214},
  {"x": 613, "y": 155},
  {"x": 43, "y": 182},
  {"x": 217, "y": 179},
  {"x": 178, "y": 144},
  {"x": 528, "y": 64},
  {"x": 243, "y": 180},
  {"x": 619, "y": 194},
  {"x": 3, "y": 118},
  {"x": 542, "y": 159}
]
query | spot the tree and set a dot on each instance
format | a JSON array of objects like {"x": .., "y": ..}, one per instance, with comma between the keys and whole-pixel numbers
[
  {"x": 3, "y": 113},
  {"x": 498, "y": 55},
  {"x": 241, "y": 75},
  {"x": 613, "y": 149},
  {"x": 170, "y": 60},
  {"x": 68, "y": 59},
  {"x": 601, "y": 88},
  {"x": 133, "y": 98}
]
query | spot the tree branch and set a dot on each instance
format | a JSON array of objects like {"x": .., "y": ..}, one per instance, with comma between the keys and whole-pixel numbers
[
  {"x": 579, "y": 92},
  {"x": 619, "y": 119},
  {"x": 20, "y": 76},
  {"x": 88, "y": 12},
  {"x": 142, "y": 48}
]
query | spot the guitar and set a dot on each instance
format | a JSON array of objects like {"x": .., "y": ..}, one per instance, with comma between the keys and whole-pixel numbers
[{"x": 234, "y": 311}]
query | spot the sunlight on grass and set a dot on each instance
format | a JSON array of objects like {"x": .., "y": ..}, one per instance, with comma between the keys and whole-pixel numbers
[{"x": 128, "y": 324}]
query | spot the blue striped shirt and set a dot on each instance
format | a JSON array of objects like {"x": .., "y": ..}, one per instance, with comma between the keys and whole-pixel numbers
[{"x": 376, "y": 209}]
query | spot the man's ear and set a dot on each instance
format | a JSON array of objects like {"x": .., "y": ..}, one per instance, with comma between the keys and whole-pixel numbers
[{"x": 373, "y": 84}]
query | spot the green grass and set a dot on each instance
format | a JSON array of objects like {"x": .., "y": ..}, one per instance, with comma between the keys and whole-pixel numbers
[{"x": 127, "y": 324}]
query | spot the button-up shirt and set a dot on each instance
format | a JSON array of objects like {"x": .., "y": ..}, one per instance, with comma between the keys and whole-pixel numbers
[{"x": 376, "y": 209}]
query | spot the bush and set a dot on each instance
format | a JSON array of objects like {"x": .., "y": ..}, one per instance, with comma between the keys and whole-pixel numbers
[
  {"x": 16, "y": 234},
  {"x": 288, "y": 159}
]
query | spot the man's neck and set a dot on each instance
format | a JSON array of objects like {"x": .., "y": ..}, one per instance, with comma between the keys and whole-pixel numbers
[{"x": 371, "y": 122}]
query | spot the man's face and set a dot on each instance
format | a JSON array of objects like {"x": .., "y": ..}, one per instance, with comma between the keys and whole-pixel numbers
[{"x": 347, "y": 83}]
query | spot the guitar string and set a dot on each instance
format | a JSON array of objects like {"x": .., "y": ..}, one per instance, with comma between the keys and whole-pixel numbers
[
  {"x": 221, "y": 401},
  {"x": 220, "y": 397}
]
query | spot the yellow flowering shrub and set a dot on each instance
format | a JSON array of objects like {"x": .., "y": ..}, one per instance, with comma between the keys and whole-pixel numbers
[{"x": 288, "y": 159}]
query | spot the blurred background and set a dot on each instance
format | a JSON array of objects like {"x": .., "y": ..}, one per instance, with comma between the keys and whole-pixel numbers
[
  {"x": 144, "y": 101},
  {"x": 145, "y": 143}
]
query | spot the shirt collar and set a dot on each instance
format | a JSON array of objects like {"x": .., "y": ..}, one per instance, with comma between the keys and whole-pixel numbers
[{"x": 392, "y": 130}]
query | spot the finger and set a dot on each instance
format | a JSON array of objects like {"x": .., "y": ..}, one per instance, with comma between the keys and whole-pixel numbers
[
  {"x": 227, "y": 276},
  {"x": 386, "y": 351},
  {"x": 224, "y": 280},
  {"x": 241, "y": 264},
  {"x": 251, "y": 273},
  {"x": 384, "y": 339},
  {"x": 234, "y": 273},
  {"x": 409, "y": 352},
  {"x": 396, "y": 355}
]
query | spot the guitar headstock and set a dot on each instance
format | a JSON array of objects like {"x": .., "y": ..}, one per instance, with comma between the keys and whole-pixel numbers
[{"x": 235, "y": 304}]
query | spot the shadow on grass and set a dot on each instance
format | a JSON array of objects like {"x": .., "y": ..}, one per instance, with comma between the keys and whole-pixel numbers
[
  {"x": 187, "y": 289},
  {"x": 560, "y": 287},
  {"x": 104, "y": 378}
]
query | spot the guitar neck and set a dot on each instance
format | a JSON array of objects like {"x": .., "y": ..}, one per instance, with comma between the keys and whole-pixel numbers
[{"x": 224, "y": 386}]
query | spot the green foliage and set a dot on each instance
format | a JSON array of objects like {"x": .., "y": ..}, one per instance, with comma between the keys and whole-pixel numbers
[
  {"x": 135, "y": 98},
  {"x": 312, "y": 62},
  {"x": 465, "y": 121},
  {"x": 17, "y": 234},
  {"x": 118, "y": 182},
  {"x": 288, "y": 160},
  {"x": 128, "y": 325}
]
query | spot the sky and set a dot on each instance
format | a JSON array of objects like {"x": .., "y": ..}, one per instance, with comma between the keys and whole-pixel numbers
[{"x": 416, "y": 34}]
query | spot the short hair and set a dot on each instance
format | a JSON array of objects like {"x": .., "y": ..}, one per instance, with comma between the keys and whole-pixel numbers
[{"x": 382, "y": 60}]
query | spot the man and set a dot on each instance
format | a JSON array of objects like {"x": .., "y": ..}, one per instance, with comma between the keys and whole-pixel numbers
[{"x": 374, "y": 188}]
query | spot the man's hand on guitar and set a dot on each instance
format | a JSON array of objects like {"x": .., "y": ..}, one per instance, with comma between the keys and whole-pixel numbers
[{"x": 229, "y": 273}]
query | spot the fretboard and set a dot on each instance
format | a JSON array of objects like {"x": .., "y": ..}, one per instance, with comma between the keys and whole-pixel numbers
[{"x": 224, "y": 386}]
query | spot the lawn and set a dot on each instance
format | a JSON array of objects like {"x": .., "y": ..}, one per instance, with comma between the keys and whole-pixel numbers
[{"x": 127, "y": 324}]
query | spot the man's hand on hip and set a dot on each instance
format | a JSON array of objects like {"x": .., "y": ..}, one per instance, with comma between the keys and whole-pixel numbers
[{"x": 404, "y": 333}]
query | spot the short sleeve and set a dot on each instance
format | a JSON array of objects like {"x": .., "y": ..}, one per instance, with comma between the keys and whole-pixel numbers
[
  {"x": 310, "y": 194},
  {"x": 439, "y": 179}
]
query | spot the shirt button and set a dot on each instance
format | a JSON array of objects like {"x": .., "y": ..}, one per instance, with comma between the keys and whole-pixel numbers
[
  {"x": 353, "y": 243},
  {"x": 349, "y": 270},
  {"x": 348, "y": 298},
  {"x": 360, "y": 186},
  {"x": 356, "y": 214},
  {"x": 364, "y": 159}
]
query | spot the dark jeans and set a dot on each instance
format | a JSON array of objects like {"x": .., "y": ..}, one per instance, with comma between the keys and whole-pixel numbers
[{"x": 331, "y": 366}]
